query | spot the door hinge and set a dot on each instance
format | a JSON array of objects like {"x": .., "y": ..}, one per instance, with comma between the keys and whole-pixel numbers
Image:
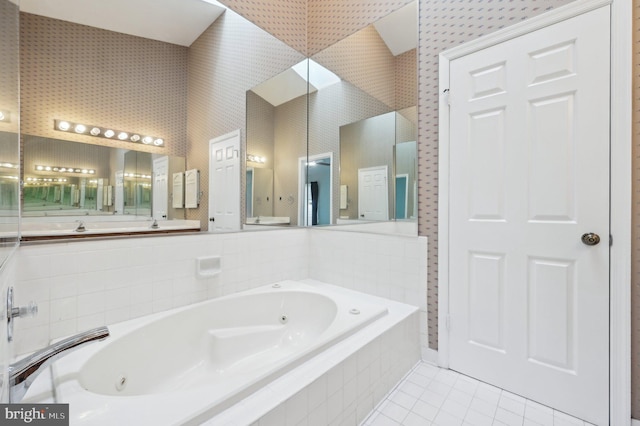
[{"x": 446, "y": 96}]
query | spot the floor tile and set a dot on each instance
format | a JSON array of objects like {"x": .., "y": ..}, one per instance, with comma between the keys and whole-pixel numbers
[{"x": 430, "y": 396}]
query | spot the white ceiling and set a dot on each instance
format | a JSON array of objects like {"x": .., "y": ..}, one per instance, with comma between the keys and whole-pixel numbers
[
  {"x": 399, "y": 30},
  {"x": 177, "y": 22}
]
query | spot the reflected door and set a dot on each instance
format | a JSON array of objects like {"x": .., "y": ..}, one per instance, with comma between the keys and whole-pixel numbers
[
  {"x": 160, "y": 189},
  {"x": 224, "y": 182},
  {"x": 373, "y": 193},
  {"x": 119, "y": 192},
  {"x": 529, "y": 174}
]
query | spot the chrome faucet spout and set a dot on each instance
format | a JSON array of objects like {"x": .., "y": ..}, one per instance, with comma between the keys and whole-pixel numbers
[{"x": 22, "y": 373}]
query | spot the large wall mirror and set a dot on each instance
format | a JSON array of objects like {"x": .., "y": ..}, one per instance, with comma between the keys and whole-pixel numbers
[
  {"x": 70, "y": 181},
  {"x": 9, "y": 127},
  {"x": 354, "y": 103}
]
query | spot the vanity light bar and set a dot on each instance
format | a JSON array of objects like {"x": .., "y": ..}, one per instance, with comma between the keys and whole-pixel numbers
[
  {"x": 105, "y": 132},
  {"x": 7, "y": 165},
  {"x": 256, "y": 159},
  {"x": 137, "y": 175},
  {"x": 60, "y": 169},
  {"x": 33, "y": 180}
]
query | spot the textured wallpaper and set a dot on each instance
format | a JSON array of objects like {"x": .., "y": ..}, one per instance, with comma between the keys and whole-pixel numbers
[{"x": 88, "y": 75}]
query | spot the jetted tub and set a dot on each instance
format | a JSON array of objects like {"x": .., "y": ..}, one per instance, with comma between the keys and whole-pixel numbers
[{"x": 194, "y": 362}]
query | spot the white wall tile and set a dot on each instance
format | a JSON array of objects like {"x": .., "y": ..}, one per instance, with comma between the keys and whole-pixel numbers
[{"x": 115, "y": 280}]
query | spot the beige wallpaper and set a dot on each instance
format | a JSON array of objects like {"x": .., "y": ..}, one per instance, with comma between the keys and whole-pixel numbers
[
  {"x": 290, "y": 25},
  {"x": 84, "y": 74}
]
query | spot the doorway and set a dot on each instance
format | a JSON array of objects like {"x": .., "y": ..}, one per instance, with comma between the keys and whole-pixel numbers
[{"x": 315, "y": 188}]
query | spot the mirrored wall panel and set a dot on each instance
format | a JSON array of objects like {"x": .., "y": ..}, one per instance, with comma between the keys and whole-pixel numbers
[
  {"x": 276, "y": 146},
  {"x": 9, "y": 127},
  {"x": 366, "y": 123},
  {"x": 354, "y": 104},
  {"x": 63, "y": 178}
]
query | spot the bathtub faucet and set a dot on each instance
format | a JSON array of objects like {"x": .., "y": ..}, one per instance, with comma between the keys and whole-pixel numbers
[
  {"x": 80, "y": 227},
  {"x": 23, "y": 373}
]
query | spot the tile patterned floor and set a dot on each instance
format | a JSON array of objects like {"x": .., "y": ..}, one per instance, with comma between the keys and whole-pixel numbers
[{"x": 433, "y": 396}]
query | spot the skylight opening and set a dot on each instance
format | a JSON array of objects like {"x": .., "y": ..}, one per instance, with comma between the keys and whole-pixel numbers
[{"x": 319, "y": 76}]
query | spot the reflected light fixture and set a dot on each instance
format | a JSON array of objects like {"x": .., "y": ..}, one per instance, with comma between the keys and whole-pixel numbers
[
  {"x": 5, "y": 117},
  {"x": 256, "y": 159},
  {"x": 60, "y": 169},
  {"x": 103, "y": 132}
]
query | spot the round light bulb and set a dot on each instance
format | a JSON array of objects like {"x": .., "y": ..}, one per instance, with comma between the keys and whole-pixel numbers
[
  {"x": 80, "y": 128},
  {"x": 122, "y": 136},
  {"x": 158, "y": 142},
  {"x": 95, "y": 131},
  {"x": 147, "y": 140},
  {"x": 135, "y": 138},
  {"x": 1, "y": 115},
  {"x": 64, "y": 126},
  {"x": 109, "y": 133},
  {"x": 48, "y": 168}
]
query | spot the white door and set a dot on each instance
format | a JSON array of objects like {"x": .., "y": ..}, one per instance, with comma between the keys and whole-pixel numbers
[
  {"x": 373, "y": 193},
  {"x": 160, "y": 188},
  {"x": 224, "y": 182},
  {"x": 529, "y": 175},
  {"x": 100, "y": 194},
  {"x": 119, "y": 209}
]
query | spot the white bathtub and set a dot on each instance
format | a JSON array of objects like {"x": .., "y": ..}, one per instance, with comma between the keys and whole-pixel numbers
[{"x": 194, "y": 362}]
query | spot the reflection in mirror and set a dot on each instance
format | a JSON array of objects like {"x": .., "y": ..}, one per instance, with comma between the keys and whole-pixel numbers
[
  {"x": 65, "y": 178},
  {"x": 9, "y": 127},
  {"x": 364, "y": 119},
  {"x": 276, "y": 139}
]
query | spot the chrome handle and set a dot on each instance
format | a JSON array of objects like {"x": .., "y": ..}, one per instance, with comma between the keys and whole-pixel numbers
[
  {"x": 590, "y": 239},
  {"x": 31, "y": 310}
]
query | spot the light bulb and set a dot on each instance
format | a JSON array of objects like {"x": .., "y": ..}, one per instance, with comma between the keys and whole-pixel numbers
[
  {"x": 80, "y": 128},
  {"x": 135, "y": 138},
  {"x": 158, "y": 142},
  {"x": 122, "y": 136},
  {"x": 64, "y": 126},
  {"x": 109, "y": 133},
  {"x": 95, "y": 131},
  {"x": 147, "y": 140}
]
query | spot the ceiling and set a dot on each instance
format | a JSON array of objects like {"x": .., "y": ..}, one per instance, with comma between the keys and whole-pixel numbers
[
  {"x": 182, "y": 21},
  {"x": 172, "y": 21}
]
